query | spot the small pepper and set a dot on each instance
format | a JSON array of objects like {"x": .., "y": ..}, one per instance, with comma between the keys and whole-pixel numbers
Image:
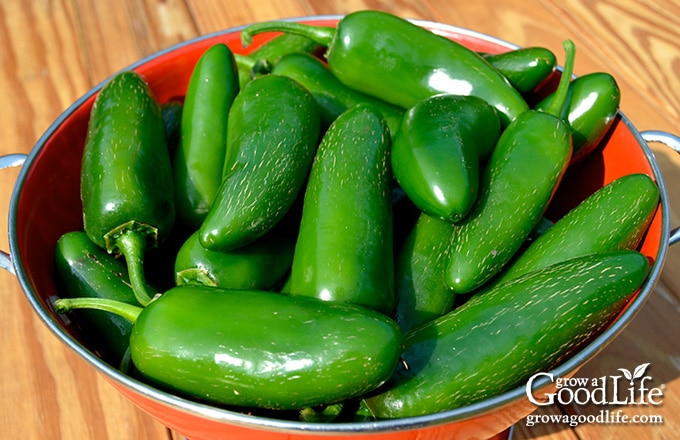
[
  {"x": 592, "y": 105},
  {"x": 393, "y": 59},
  {"x": 199, "y": 160},
  {"x": 527, "y": 68},
  {"x": 127, "y": 188},
  {"x": 438, "y": 150}
]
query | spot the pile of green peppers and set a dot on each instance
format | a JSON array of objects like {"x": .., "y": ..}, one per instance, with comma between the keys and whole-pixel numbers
[{"x": 343, "y": 226}]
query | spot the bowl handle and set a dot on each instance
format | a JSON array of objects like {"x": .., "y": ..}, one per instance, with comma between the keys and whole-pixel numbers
[
  {"x": 9, "y": 161},
  {"x": 673, "y": 142}
]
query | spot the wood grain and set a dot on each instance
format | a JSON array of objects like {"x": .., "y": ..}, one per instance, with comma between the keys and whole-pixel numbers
[{"x": 53, "y": 51}]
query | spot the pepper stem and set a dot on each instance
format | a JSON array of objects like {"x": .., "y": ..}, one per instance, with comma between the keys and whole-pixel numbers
[
  {"x": 322, "y": 35},
  {"x": 244, "y": 62},
  {"x": 132, "y": 244},
  {"x": 560, "y": 96},
  {"x": 194, "y": 275},
  {"x": 124, "y": 310}
]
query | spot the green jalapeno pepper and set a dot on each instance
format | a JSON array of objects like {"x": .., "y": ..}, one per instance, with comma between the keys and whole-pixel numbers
[
  {"x": 527, "y": 68},
  {"x": 83, "y": 269},
  {"x": 272, "y": 135},
  {"x": 614, "y": 217},
  {"x": 592, "y": 105},
  {"x": 344, "y": 247},
  {"x": 393, "y": 59},
  {"x": 262, "y": 59},
  {"x": 199, "y": 160},
  {"x": 516, "y": 185},
  {"x": 495, "y": 341},
  {"x": 439, "y": 148},
  {"x": 256, "y": 349},
  {"x": 127, "y": 188},
  {"x": 258, "y": 265},
  {"x": 421, "y": 291},
  {"x": 332, "y": 96}
]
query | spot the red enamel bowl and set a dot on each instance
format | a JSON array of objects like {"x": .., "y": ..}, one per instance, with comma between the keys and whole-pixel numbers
[{"x": 45, "y": 204}]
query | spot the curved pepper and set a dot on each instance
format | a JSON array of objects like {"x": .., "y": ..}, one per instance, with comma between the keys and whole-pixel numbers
[
  {"x": 272, "y": 135},
  {"x": 438, "y": 151},
  {"x": 127, "y": 188},
  {"x": 592, "y": 105},
  {"x": 496, "y": 341},
  {"x": 516, "y": 186},
  {"x": 393, "y": 59},
  {"x": 527, "y": 68},
  {"x": 612, "y": 218},
  {"x": 332, "y": 96},
  {"x": 256, "y": 349},
  {"x": 199, "y": 160},
  {"x": 344, "y": 247}
]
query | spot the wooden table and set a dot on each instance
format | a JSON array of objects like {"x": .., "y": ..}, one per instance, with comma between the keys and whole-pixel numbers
[{"x": 52, "y": 52}]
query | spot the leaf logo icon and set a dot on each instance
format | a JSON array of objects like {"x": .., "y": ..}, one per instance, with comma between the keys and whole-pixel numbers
[
  {"x": 637, "y": 373},
  {"x": 626, "y": 374}
]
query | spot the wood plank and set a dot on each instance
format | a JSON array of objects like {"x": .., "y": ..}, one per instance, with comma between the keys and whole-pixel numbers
[
  {"x": 213, "y": 16},
  {"x": 114, "y": 38},
  {"x": 54, "y": 51},
  {"x": 43, "y": 69}
]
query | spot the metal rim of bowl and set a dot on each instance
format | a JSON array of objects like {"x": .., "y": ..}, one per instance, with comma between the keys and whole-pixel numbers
[{"x": 570, "y": 365}]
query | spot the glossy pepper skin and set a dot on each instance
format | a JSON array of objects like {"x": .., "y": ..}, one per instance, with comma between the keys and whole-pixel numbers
[
  {"x": 516, "y": 186},
  {"x": 438, "y": 151},
  {"x": 258, "y": 265},
  {"x": 614, "y": 217},
  {"x": 258, "y": 349},
  {"x": 592, "y": 105},
  {"x": 495, "y": 341},
  {"x": 199, "y": 160},
  {"x": 388, "y": 57},
  {"x": 83, "y": 269},
  {"x": 332, "y": 96},
  {"x": 127, "y": 188},
  {"x": 272, "y": 135},
  {"x": 344, "y": 247},
  {"x": 421, "y": 291},
  {"x": 526, "y": 68}
]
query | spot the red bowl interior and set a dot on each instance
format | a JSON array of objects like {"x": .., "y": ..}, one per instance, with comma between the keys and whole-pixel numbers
[{"x": 47, "y": 204}]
